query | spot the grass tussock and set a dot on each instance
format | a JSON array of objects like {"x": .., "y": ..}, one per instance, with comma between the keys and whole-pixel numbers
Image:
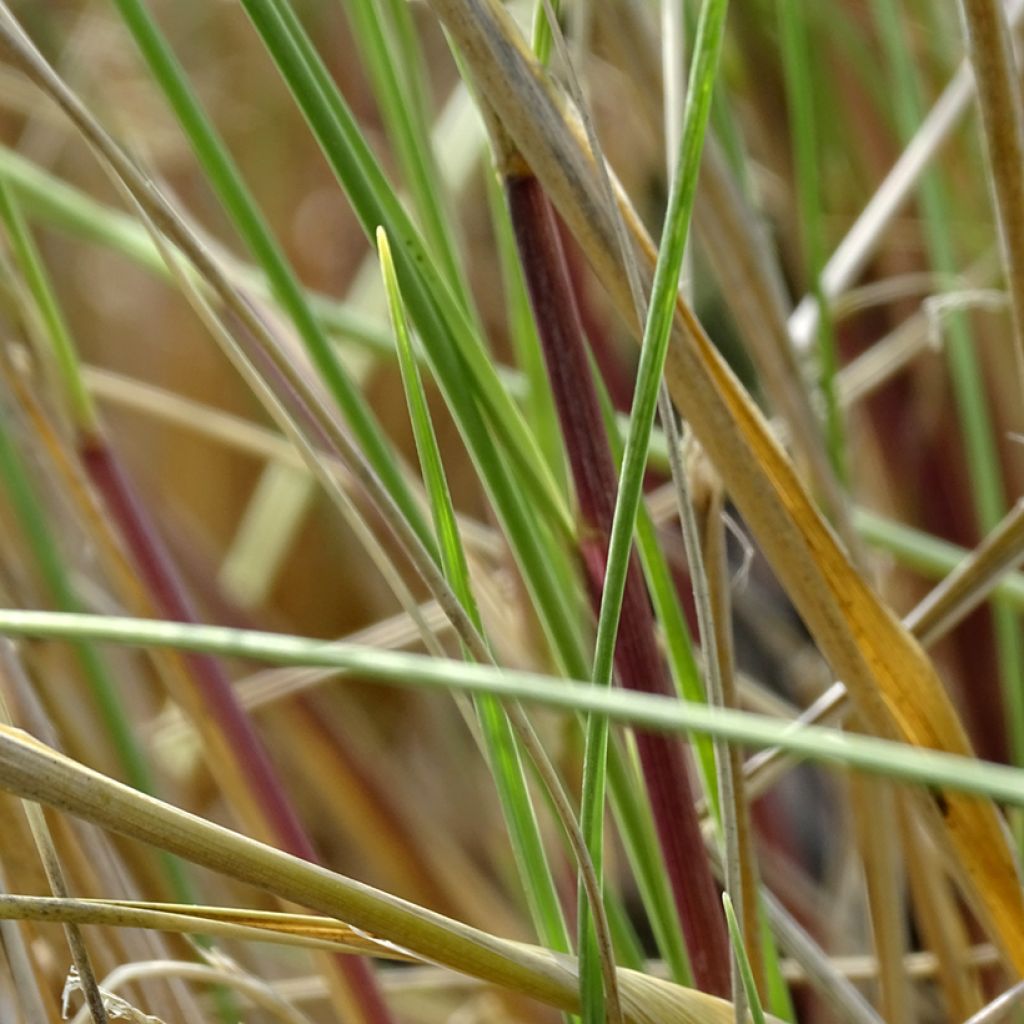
[{"x": 511, "y": 511}]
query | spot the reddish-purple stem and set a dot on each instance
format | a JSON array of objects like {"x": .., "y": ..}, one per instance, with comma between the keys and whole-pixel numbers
[
  {"x": 610, "y": 363},
  {"x": 170, "y": 596},
  {"x": 638, "y": 661}
]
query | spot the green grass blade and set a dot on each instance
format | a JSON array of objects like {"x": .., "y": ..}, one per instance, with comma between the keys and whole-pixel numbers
[
  {"x": 453, "y": 557},
  {"x": 707, "y": 47},
  {"x": 462, "y": 365},
  {"x": 543, "y": 37},
  {"x": 502, "y": 748},
  {"x": 79, "y": 400},
  {"x": 743, "y": 962},
  {"x": 455, "y": 369},
  {"x": 391, "y": 55},
  {"x": 897, "y": 761}
]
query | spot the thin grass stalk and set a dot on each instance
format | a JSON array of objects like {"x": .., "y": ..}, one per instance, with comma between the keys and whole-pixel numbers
[
  {"x": 23, "y": 978},
  {"x": 543, "y": 31},
  {"x": 685, "y": 673},
  {"x": 501, "y": 746},
  {"x": 638, "y": 659},
  {"x": 716, "y": 647},
  {"x": 57, "y": 882},
  {"x": 668, "y": 611},
  {"x": 740, "y": 944},
  {"x": 990, "y": 50},
  {"x": 299, "y": 931},
  {"x": 956, "y": 772},
  {"x": 876, "y": 817},
  {"x": 673, "y": 77},
  {"x": 800, "y": 94},
  {"x": 709, "y": 513}
]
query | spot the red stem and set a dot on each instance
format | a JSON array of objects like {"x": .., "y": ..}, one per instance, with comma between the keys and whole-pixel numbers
[
  {"x": 173, "y": 601},
  {"x": 638, "y": 661}
]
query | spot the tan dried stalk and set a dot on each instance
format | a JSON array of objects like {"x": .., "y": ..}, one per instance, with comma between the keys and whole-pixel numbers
[{"x": 990, "y": 48}]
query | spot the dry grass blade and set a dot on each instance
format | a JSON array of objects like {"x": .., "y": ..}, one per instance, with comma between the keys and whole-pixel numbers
[
  {"x": 990, "y": 47},
  {"x": 971, "y": 582},
  {"x": 890, "y": 679},
  {"x": 258, "y": 992},
  {"x": 300, "y": 930},
  {"x": 709, "y": 513},
  {"x": 33, "y": 771}
]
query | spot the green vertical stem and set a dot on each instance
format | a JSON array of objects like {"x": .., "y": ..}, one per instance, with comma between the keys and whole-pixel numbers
[
  {"x": 801, "y": 93},
  {"x": 499, "y": 739},
  {"x": 392, "y": 58}
]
